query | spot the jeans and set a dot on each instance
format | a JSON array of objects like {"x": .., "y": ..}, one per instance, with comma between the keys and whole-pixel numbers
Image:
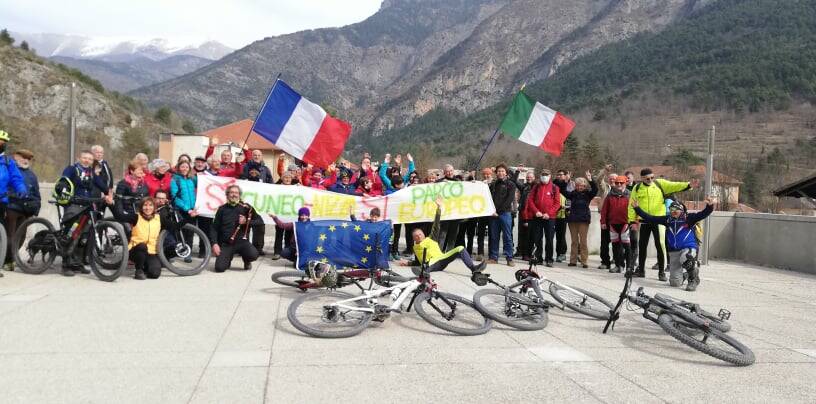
[
  {"x": 501, "y": 223},
  {"x": 542, "y": 232}
]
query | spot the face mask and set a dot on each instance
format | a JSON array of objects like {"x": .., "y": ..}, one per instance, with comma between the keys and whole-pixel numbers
[{"x": 545, "y": 179}]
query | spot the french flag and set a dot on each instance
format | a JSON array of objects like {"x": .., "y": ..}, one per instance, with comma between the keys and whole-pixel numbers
[{"x": 300, "y": 127}]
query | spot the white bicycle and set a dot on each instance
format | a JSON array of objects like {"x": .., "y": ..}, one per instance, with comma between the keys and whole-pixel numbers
[{"x": 335, "y": 314}]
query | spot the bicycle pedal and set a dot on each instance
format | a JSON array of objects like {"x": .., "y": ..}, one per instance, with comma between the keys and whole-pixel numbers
[{"x": 724, "y": 314}]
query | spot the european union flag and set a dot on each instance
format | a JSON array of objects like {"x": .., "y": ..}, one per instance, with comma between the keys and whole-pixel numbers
[{"x": 343, "y": 244}]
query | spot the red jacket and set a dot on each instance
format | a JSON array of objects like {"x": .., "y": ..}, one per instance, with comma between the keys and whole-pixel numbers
[
  {"x": 544, "y": 198},
  {"x": 154, "y": 184},
  {"x": 615, "y": 209},
  {"x": 233, "y": 170}
]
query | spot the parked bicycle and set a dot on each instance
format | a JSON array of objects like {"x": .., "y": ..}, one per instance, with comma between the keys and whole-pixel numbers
[
  {"x": 523, "y": 305},
  {"x": 335, "y": 314},
  {"x": 179, "y": 243},
  {"x": 685, "y": 322},
  {"x": 102, "y": 243}
]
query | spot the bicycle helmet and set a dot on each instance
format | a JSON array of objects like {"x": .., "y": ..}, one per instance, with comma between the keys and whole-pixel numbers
[
  {"x": 675, "y": 205},
  {"x": 63, "y": 191},
  {"x": 4, "y": 135},
  {"x": 322, "y": 273}
]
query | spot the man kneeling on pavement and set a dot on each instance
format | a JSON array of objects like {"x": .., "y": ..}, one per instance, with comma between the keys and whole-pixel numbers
[{"x": 229, "y": 231}]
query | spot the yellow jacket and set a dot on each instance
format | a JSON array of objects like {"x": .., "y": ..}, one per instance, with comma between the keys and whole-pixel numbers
[
  {"x": 147, "y": 232},
  {"x": 429, "y": 250},
  {"x": 650, "y": 197}
]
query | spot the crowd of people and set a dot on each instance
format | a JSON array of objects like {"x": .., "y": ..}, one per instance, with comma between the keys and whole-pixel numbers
[{"x": 543, "y": 208}]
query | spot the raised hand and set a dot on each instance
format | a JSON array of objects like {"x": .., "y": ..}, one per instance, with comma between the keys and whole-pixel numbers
[
  {"x": 387, "y": 158},
  {"x": 710, "y": 200},
  {"x": 438, "y": 201},
  {"x": 409, "y": 157},
  {"x": 588, "y": 175}
]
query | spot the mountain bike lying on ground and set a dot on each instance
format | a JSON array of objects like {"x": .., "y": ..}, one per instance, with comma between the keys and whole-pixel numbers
[
  {"x": 304, "y": 281},
  {"x": 687, "y": 323},
  {"x": 102, "y": 243},
  {"x": 334, "y": 314},
  {"x": 523, "y": 304}
]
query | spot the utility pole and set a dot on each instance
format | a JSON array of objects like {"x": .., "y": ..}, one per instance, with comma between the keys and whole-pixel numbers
[
  {"x": 709, "y": 178},
  {"x": 71, "y": 126}
]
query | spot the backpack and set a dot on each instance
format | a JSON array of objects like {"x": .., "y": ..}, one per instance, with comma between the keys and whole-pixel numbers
[{"x": 698, "y": 232}]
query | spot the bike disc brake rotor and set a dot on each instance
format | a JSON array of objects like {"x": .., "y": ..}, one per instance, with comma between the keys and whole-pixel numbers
[{"x": 183, "y": 250}]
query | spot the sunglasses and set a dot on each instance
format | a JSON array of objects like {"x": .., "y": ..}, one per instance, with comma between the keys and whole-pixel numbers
[
  {"x": 651, "y": 177},
  {"x": 619, "y": 183}
]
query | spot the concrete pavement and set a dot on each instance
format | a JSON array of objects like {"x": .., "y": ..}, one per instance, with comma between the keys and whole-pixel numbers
[{"x": 224, "y": 338}]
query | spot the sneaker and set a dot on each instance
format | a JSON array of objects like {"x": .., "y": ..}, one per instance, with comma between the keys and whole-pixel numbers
[
  {"x": 572, "y": 264},
  {"x": 276, "y": 257},
  {"x": 9, "y": 266},
  {"x": 188, "y": 260},
  {"x": 81, "y": 269},
  {"x": 247, "y": 266},
  {"x": 655, "y": 267},
  {"x": 615, "y": 270},
  {"x": 548, "y": 264},
  {"x": 604, "y": 266},
  {"x": 510, "y": 262},
  {"x": 692, "y": 285},
  {"x": 561, "y": 258},
  {"x": 640, "y": 274},
  {"x": 480, "y": 266},
  {"x": 661, "y": 276},
  {"x": 139, "y": 275},
  {"x": 492, "y": 261}
]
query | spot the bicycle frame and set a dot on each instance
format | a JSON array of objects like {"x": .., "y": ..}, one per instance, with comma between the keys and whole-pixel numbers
[
  {"x": 405, "y": 288},
  {"x": 535, "y": 283}
]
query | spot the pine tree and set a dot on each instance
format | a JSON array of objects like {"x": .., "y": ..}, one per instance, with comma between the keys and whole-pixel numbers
[
  {"x": 24, "y": 46},
  {"x": 5, "y": 38}
]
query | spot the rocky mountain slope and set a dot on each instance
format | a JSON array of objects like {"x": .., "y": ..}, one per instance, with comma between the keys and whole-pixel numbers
[
  {"x": 414, "y": 56},
  {"x": 35, "y": 111}
]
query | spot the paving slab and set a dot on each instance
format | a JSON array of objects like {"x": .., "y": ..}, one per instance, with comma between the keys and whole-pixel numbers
[{"x": 225, "y": 338}]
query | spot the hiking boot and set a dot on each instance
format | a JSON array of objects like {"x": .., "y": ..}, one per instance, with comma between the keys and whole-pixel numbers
[
  {"x": 572, "y": 264},
  {"x": 615, "y": 270},
  {"x": 492, "y": 261},
  {"x": 139, "y": 275},
  {"x": 510, "y": 262},
  {"x": 661, "y": 276},
  {"x": 604, "y": 266},
  {"x": 67, "y": 272}
]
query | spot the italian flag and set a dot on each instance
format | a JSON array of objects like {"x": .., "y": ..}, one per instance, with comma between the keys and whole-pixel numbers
[{"x": 537, "y": 125}]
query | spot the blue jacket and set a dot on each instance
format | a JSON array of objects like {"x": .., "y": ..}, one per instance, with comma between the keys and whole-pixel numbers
[
  {"x": 389, "y": 189},
  {"x": 183, "y": 191},
  {"x": 679, "y": 232},
  {"x": 86, "y": 183},
  {"x": 30, "y": 201},
  {"x": 10, "y": 178},
  {"x": 338, "y": 187}
]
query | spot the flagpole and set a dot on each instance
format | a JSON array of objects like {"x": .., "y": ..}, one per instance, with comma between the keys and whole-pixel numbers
[
  {"x": 260, "y": 110},
  {"x": 496, "y": 132}
]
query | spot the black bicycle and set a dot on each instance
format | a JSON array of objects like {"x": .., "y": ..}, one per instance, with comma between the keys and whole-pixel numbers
[
  {"x": 179, "y": 253},
  {"x": 101, "y": 243},
  {"x": 524, "y": 304},
  {"x": 687, "y": 323}
]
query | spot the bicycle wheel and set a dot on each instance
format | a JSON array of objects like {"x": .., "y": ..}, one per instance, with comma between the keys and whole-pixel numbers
[
  {"x": 181, "y": 258},
  {"x": 711, "y": 342},
  {"x": 315, "y": 314},
  {"x": 511, "y": 309},
  {"x": 106, "y": 247},
  {"x": 584, "y": 302},
  {"x": 289, "y": 278},
  {"x": 34, "y": 245},
  {"x": 459, "y": 316}
]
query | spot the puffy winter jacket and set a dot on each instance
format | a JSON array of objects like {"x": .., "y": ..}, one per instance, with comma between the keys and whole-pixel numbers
[
  {"x": 126, "y": 211},
  {"x": 146, "y": 231},
  {"x": 154, "y": 183},
  {"x": 679, "y": 232},
  {"x": 579, "y": 203},
  {"x": 30, "y": 202},
  {"x": 615, "y": 208},
  {"x": 86, "y": 183},
  {"x": 651, "y": 197},
  {"x": 544, "y": 198},
  {"x": 183, "y": 192}
]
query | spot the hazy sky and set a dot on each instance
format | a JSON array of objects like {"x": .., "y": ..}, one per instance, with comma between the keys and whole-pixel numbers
[{"x": 233, "y": 22}]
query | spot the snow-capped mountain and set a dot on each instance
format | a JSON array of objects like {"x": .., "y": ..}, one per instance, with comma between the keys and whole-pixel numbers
[{"x": 118, "y": 49}]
